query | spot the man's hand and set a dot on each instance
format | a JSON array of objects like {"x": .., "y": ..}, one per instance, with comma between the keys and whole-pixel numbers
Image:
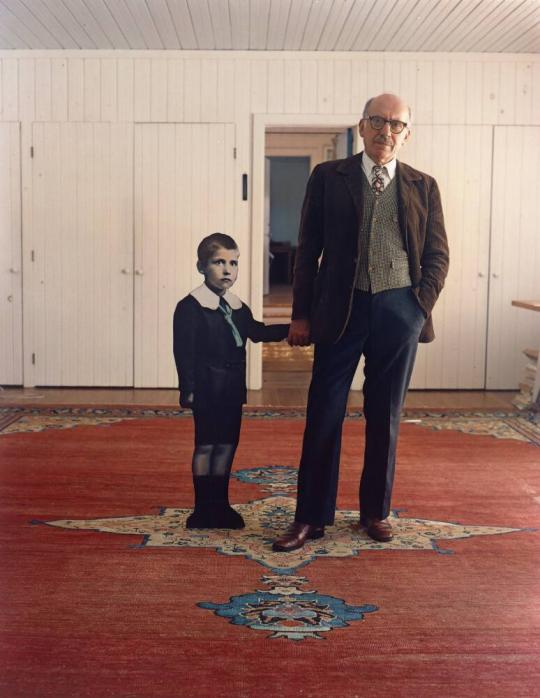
[{"x": 299, "y": 333}]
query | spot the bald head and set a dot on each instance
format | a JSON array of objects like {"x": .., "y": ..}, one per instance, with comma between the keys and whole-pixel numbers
[
  {"x": 388, "y": 96},
  {"x": 381, "y": 141}
]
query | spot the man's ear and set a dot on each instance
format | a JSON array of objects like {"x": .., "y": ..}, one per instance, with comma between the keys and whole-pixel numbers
[
  {"x": 200, "y": 268},
  {"x": 361, "y": 127},
  {"x": 408, "y": 135}
]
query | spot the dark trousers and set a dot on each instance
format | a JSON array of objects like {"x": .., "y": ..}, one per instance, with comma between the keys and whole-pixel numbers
[{"x": 384, "y": 327}]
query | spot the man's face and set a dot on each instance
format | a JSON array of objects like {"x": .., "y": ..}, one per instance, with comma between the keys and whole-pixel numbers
[
  {"x": 221, "y": 270},
  {"x": 383, "y": 146}
]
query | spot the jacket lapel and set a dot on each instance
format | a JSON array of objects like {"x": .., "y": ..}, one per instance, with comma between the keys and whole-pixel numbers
[{"x": 351, "y": 168}]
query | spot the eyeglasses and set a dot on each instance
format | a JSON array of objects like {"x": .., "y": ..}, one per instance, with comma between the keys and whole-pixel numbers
[{"x": 377, "y": 123}]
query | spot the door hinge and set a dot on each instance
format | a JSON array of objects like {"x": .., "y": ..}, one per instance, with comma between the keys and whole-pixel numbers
[
  {"x": 234, "y": 153},
  {"x": 31, "y": 151},
  {"x": 32, "y": 256},
  {"x": 33, "y": 359}
]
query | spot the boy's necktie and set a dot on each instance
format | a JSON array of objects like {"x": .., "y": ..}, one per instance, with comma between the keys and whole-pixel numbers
[
  {"x": 227, "y": 313},
  {"x": 377, "y": 181}
]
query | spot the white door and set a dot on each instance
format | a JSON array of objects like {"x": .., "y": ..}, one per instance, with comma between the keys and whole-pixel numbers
[
  {"x": 460, "y": 159},
  {"x": 515, "y": 253},
  {"x": 11, "y": 372},
  {"x": 184, "y": 190},
  {"x": 82, "y": 236}
]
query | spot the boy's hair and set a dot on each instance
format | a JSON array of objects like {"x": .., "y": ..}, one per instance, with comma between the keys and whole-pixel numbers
[{"x": 211, "y": 243}]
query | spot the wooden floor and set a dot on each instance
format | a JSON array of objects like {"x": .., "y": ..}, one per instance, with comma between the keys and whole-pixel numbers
[{"x": 280, "y": 389}]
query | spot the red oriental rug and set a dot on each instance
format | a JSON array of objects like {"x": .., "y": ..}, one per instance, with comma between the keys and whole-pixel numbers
[{"x": 105, "y": 593}]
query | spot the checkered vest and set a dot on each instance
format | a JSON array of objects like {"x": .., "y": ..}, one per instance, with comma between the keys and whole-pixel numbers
[{"x": 383, "y": 260}]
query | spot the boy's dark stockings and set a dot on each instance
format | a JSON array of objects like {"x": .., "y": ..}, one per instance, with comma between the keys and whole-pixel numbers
[{"x": 211, "y": 466}]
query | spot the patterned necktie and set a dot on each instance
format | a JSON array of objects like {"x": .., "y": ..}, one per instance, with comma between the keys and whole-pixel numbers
[
  {"x": 377, "y": 180},
  {"x": 227, "y": 312}
]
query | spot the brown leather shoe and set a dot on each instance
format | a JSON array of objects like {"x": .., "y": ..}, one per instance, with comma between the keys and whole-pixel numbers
[
  {"x": 377, "y": 529},
  {"x": 296, "y": 535}
]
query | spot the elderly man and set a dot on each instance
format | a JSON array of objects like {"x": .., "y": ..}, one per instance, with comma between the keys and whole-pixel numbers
[{"x": 379, "y": 227}]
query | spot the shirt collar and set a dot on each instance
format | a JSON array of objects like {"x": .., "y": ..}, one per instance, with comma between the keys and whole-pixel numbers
[
  {"x": 208, "y": 299},
  {"x": 368, "y": 164}
]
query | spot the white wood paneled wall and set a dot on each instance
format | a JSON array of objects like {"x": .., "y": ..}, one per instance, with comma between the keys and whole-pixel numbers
[
  {"x": 79, "y": 284},
  {"x": 184, "y": 182},
  {"x": 228, "y": 86},
  {"x": 459, "y": 157},
  {"x": 128, "y": 87},
  {"x": 515, "y": 253},
  {"x": 11, "y": 367}
]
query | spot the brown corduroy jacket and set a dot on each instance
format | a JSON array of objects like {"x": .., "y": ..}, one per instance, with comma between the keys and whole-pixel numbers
[{"x": 330, "y": 222}]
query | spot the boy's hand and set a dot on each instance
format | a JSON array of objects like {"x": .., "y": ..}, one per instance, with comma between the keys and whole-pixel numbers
[
  {"x": 187, "y": 400},
  {"x": 299, "y": 333}
]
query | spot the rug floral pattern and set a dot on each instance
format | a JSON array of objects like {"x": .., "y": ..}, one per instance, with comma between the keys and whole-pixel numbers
[
  {"x": 266, "y": 519},
  {"x": 514, "y": 426}
]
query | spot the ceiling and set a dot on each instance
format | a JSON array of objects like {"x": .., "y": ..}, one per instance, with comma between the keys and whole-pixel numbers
[{"x": 506, "y": 26}]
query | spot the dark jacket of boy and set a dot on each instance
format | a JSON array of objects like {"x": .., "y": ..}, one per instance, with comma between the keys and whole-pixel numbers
[{"x": 210, "y": 365}]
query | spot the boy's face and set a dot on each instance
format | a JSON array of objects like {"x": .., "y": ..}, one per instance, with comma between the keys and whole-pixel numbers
[{"x": 221, "y": 270}]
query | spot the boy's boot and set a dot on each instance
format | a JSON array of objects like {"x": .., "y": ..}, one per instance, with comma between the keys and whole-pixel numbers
[
  {"x": 212, "y": 509},
  {"x": 226, "y": 515}
]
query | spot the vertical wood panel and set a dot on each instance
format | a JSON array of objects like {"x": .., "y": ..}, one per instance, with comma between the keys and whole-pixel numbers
[
  {"x": 126, "y": 89},
  {"x": 27, "y": 101},
  {"x": 457, "y": 105},
  {"x": 506, "y": 106},
  {"x": 225, "y": 92},
  {"x": 515, "y": 253},
  {"x": 141, "y": 89},
  {"x": 259, "y": 86},
  {"x": 524, "y": 90},
  {"x": 441, "y": 93},
  {"x": 192, "y": 90},
  {"x": 83, "y": 314},
  {"x": 275, "y": 86},
  {"x": 10, "y": 89},
  {"x": 474, "y": 93},
  {"x": 308, "y": 87},
  {"x": 535, "y": 108},
  {"x": 209, "y": 90},
  {"x": 342, "y": 87},
  {"x": 408, "y": 82},
  {"x": 43, "y": 89},
  {"x": 459, "y": 158},
  {"x": 59, "y": 89},
  {"x": 175, "y": 87},
  {"x": 92, "y": 89},
  {"x": 159, "y": 90},
  {"x": 109, "y": 111},
  {"x": 75, "y": 89},
  {"x": 325, "y": 87},
  {"x": 183, "y": 180},
  {"x": 490, "y": 93},
  {"x": 359, "y": 90},
  {"x": 291, "y": 87},
  {"x": 11, "y": 365},
  {"x": 375, "y": 77},
  {"x": 423, "y": 106}
]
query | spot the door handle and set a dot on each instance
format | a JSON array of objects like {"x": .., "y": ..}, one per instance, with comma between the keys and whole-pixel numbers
[
  {"x": 139, "y": 272},
  {"x": 126, "y": 271},
  {"x": 14, "y": 270}
]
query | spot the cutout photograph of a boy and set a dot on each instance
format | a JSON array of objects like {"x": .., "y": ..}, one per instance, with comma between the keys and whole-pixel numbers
[{"x": 211, "y": 327}]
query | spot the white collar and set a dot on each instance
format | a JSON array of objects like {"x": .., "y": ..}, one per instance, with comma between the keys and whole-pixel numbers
[
  {"x": 208, "y": 299},
  {"x": 368, "y": 164}
]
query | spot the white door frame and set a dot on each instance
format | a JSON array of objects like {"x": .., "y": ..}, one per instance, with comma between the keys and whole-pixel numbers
[{"x": 260, "y": 123}]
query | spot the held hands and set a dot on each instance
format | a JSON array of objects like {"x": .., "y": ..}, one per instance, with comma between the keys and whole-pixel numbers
[{"x": 299, "y": 333}]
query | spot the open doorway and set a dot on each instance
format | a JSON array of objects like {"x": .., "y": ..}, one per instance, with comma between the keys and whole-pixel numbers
[{"x": 290, "y": 156}]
